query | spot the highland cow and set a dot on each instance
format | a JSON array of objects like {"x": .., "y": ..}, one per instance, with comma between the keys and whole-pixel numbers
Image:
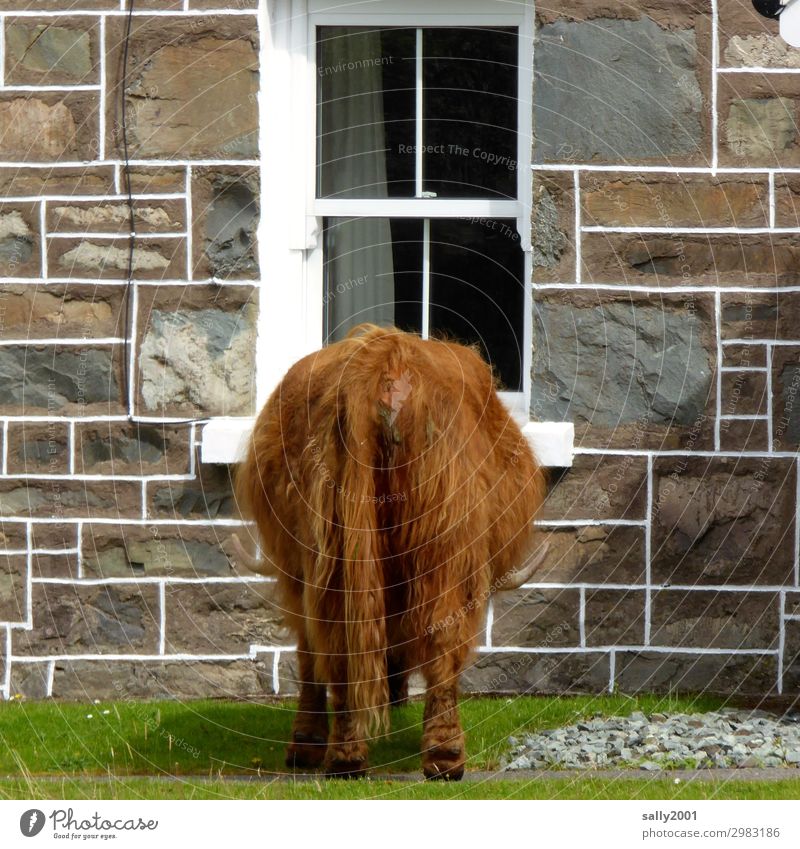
[{"x": 392, "y": 493}]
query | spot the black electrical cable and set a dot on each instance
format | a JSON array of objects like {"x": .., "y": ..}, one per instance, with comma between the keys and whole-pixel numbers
[{"x": 769, "y": 8}]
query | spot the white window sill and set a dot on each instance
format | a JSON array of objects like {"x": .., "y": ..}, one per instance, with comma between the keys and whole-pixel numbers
[{"x": 225, "y": 441}]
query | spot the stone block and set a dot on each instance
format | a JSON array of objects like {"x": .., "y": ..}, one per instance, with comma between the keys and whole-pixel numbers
[
  {"x": 192, "y": 87},
  {"x": 13, "y": 536},
  {"x": 51, "y": 51},
  {"x": 48, "y": 126},
  {"x": 27, "y": 181},
  {"x": 223, "y": 618},
  {"x": 676, "y": 672},
  {"x": 760, "y": 316},
  {"x": 149, "y": 216},
  {"x": 155, "y": 551},
  {"x": 553, "y": 227},
  {"x": 37, "y": 448},
  {"x": 594, "y": 554},
  {"x": 745, "y": 435},
  {"x": 681, "y": 200},
  {"x": 536, "y": 618},
  {"x": 544, "y": 673},
  {"x": 791, "y": 657},
  {"x": 225, "y": 209},
  {"x": 47, "y": 379},
  {"x": 13, "y": 593},
  {"x": 156, "y": 258},
  {"x": 599, "y": 487},
  {"x": 65, "y": 310},
  {"x": 586, "y": 108},
  {"x": 720, "y": 520},
  {"x": 748, "y": 40},
  {"x": 63, "y": 565},
  {"x": 30, "y": 680},
  {"x": 59, "y": 499},
  {"x": 614, "y": 617},
  {"x": 131, "y": 449},
  {"x": 715, "y": 619},
  {"x": 632, "y": 371},
  {"x": 785, "y": 398},
  {"x": 744, "y": 356},
  {"x": 744, "y": 393},
  {"x": 74, "y": 619},
  {"x": 20, "y": 240},
  {"x": 196, "y": 351},
  {"x": 716, "y": 259},
  {"x": 158, "y": 179},
  {"x": 209, "y": 495},
  {"x": 53, "y": 536}
]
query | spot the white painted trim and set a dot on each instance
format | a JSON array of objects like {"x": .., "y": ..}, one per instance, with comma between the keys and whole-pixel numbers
[
  {"x": 417, "y": 208},
  {"x": 552, "y": 442}
]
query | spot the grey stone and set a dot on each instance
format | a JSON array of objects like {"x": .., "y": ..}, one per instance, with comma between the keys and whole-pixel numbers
[
  {"x": 612, "y": 89},
  {"x": 548, "y": 239},
  {"x": 759, "y": 127},
  {"x": 53, "y": 49},
  {"x": 618, "y": 363},
  {"x": 230, "y": 231}
]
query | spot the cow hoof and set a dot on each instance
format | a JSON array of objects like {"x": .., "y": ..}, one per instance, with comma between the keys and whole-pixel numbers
[
  {"x": 443, "y": 764},
  {"x": 306, "y": 751},
  {"x": 345, "y": 766}
]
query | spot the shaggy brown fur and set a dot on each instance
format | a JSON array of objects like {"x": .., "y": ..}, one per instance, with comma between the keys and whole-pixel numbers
[{"x": 392, "y": 494}]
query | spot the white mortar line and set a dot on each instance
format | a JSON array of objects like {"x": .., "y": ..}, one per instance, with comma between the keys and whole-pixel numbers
[
  {"x": 79, "y": 555},
  {"x": 628, "y": 648},
  {"x": 88, "y": 477},
  {"x": 137, "y": 13},
  {"x": 624, "y": 287},
  {"x": 772, "y": 342},
  {"x": 136, "y": 163},
  {"x": 5, "y": 448},
  {"x": 781, "y": 639},
  {"x": 162, "y": 622},
  {"x": 27, "y": 659},
  {"x": 582, "y": 618},
  {"x": 154, "y": 581},
  {"x": 718, "y": 336},
  {"x": 658, "y": 169},
  {"x": 102, "y": 520},
  {"x": 797, "y": 525},
  {"x": 55, "y": 340},
  {"x": 276, "y": 678},
  {"x": 118, "y": 179},
  {"x": 45, "y": 88},
  {"x": 769, "y": 397},
  {"x": 189, "y": 224},
  {"x": 71, "y": 428},
  {"x": 489, "y": 620},
  {"x": 43, "y": 237},
  {"x": 578, "y": 247},
  {"x": 116, "y": 198},
  {"x": 638, "y": 452},
  {"x": 144, "y": 499},
  {"x": 192, "y": 450},
  {"x": 737, "y": 369},
  {"x": 120, "y": 281},
  {"x": 2, "y": 51},
  {"x": 122, "y": 234},
  {"x": 758, "y": 69},
  {"x": 51, "y": 674},
  {"x": 772, "y": 199},
  {"x": 568, "y": 523},
  {"x": 648, "y": 552},
  {"x": 714, "y": 84},
  {"x": 29, "y": 579},
  {"x": 133, "y": 294},
  {"x": 689, "y": 231},
  {"x": 612, "y": 669},
  {"x": 743, "y": 418},
  {"x": 699, "y": 588},
  {"x": 7, "y": 675}
]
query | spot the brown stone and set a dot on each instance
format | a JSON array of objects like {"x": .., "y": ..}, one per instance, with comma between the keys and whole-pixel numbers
[
  {"x": 55, "y": 5},
  {"x": 209, "y": 495},
  {"x": 720, "y": 520},
  {"x": 681, "y": 14},
  {"x": 536, "y": 618},
  {"x": 553, "y": 227},
  {"x": 65, "y": 310},
  {"x": 224, "y": 618},
  {"x": 52, "y": 51},
  {"x": 168, "y": 679},
  {"x": 599, "y": 487},
  {"x": 744, "y": 356},
  {"x": 53, "y": 536},
  {"x": 540, "y": 672},
  {"x": 68, "y": 498},
  {"x": 20, "y": 240},
  {"x": 48, "y": 126},
  {"x": 688, "y": 260},
  {"x": 744, "y": 393},
  {"x": 683, "y": 200},
  {"x": 791, "y": 651},
  {"x": 53, "y": 180},
  {"x": 13, "y": 536},
  {"x": 756, "y": 315},
  {"x": 157, "y": 258},
  {"x": 614, "y": 617},
  {"x": 715, "y": 619},
  {"x": 131, "y": 449},
  {"x": 192, "y": 87},
  {"x": 150, "y": 216},
  {"x": 156, "y": 179},
  {"x": 155, "y": 551},
  {"x": 676, "y": 672},
  {"x": 13, "y": 578},
  {"x": 38, "y": 448},
  {"x": 225, "y": 209},
  {"x": 74, "y": 619},
  {"x": 787, "y": 200},
  {"x": 745, "y": 435},
  {"x": 785, "y": 397},
  {"x": 757, "y": 115},
  {"x": 749, "y": 40},
  {"x": 594, "y": 554},
  {"x": 55, "y": 565}
]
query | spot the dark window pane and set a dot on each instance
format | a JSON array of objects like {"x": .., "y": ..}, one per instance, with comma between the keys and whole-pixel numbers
[
  {"x": 373, "y": 272},
  {"x": 477, "y": 290},
  {"x": 470, "y": 112},
  {"x": 366, "y": 102}
]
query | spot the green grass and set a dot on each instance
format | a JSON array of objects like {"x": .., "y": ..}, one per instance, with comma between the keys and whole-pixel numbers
[
  {"x": 214, "y": 738},
  {"x": 128, "y": 750}
]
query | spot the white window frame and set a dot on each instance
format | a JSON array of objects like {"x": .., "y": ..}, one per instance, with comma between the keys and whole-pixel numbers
[{"x": 291, "y": 298}]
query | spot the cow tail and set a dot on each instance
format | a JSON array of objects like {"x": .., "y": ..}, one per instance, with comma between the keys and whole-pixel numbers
[{"x": 362, "y": 570}]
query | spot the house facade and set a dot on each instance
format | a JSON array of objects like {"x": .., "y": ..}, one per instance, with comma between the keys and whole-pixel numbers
[{"x": 603, "y": 198}]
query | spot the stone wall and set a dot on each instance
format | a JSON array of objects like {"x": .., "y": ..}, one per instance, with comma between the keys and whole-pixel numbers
[{"x": 666, "y": 327}]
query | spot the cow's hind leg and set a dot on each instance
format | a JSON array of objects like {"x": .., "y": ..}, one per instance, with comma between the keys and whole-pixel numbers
[
  {"x": 347, "y": 746},
  {"x": 309, "y": 740},
  {"x": 443, "y": 749}
]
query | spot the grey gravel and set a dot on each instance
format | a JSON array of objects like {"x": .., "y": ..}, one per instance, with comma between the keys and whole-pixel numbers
[{"x": 718, "y": 740}]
